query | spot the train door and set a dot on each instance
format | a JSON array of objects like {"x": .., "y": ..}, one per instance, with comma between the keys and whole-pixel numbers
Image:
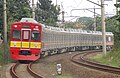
[{"x": 25, "y": 38}]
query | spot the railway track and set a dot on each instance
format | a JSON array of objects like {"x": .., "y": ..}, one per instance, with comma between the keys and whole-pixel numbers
[
  {"x": 81, "y": 59},
  {"x": 32, "y": 73}
]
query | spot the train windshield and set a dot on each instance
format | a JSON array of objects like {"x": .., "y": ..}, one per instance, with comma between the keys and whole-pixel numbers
[
  {"x": 26, "y": 34},
  {"x": 35, "y": 35},
  {"x": 16, "y": 34}
]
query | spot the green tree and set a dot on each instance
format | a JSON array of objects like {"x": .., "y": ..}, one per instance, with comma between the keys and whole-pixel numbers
[
  {"x": 117, "y": 28},
  {"x": 16, "y": 9},
  {"x": 51, "y": 21},
  {"x": 46, "y": 12},
  {"x": 69, "y": 24},
  {"x": 87, "y": 21},
  {"x": 74, "y": 25},
  {"x": 110, "y": 24},
  {"x": 1, "y": 15}
]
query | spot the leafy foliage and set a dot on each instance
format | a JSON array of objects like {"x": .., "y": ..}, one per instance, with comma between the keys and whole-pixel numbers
[
  {"x": 1, "y": 15},
  {"x": 46, "y": 12},
  {"x": 87, "y": 21},
  {"x": 117, "y": 27},
  {"x": 112, "y": 58},
  {"x": 16, "y": 9},
  {"x": 74, "y": 25},
  {"x": 110, "y": 24}
]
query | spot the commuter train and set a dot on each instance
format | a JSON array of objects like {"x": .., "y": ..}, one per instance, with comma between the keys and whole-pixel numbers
[
  {"x": 30, "y": 40},
  {"x": 25, "y": 40}
]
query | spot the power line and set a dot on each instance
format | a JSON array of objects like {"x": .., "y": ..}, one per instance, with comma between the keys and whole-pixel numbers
[{"x": 78, "y": 4}]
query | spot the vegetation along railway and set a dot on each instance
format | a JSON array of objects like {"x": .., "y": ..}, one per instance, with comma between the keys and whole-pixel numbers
[{"x": 81, "y": 59}]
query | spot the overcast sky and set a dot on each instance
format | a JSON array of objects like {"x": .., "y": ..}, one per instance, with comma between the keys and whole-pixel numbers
[{"x": 68, "y": 5}]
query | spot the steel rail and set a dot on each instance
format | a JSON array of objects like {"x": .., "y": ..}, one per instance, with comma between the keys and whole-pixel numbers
[
  {"x": 34, "y": 74},
  {"x": 100, "y": 66},
  {"x": 91, "y": 64},
  {"x": 12, "y": 70}
]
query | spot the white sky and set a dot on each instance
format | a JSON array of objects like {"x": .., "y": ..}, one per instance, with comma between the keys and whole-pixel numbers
[{"x": 68, "y": 5}]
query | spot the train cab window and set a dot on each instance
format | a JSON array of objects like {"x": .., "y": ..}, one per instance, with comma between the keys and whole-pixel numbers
[
  {"x": 26, "y": 34},
  {"x": 35, "y": 35},
  {"x": 109, "y": 39},
  {"x": 16, "y": 34}
]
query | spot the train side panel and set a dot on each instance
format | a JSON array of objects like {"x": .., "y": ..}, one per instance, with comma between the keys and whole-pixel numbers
[{"x": 55, "y": 41}]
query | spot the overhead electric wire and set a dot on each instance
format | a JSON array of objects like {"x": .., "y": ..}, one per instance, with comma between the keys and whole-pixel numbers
[{"x": 78, "y": 4}]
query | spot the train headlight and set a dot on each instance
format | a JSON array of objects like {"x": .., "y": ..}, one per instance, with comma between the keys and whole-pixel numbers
[
  {"x": 36, "y": 27},
  {"x": 15, "y": 26}
]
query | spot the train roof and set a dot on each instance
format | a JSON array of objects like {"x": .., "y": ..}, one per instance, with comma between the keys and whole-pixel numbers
[
  {"x": 66, "y": 30},
  {"x": 28, "y": 20},
  {"x": 69, "y": 30}
]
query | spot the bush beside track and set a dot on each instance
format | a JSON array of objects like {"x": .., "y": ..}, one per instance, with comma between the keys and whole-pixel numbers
[
  {"x": 2, "y": 54},
  {"x": 112, "y": 58}
]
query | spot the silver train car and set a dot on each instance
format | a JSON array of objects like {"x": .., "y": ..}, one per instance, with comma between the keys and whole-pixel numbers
[{"x": 59, "y": 40}]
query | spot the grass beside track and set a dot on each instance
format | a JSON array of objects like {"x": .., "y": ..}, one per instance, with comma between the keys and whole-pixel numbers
[
  {"x": 112, "y": 58},
  {"x": 2, "y": 54}
]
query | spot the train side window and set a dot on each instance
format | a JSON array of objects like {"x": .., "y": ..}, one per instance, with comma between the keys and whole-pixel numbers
[
  {"x": 35, "y": 35},
  {"x": 16, "y": 34}
]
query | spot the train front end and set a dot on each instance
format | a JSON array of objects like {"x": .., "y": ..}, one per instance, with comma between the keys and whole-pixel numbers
[{"x": 25, "y": 40}]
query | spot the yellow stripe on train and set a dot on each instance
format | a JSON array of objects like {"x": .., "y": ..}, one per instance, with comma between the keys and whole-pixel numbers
[
  {"x": 35, "y": 44},
  {"x": 19, "y": 44},
  {"x": 25, "y": 45},
  {"x": 15, "y": 44}
]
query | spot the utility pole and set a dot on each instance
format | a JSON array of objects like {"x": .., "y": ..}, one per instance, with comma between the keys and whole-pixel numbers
[
  {"x": 33, "y": 9},
  {"x": 56, "y": 2},
  {"x": 103, "y": 27},
  {"x": 94, "y": 20},
  {"x": 63, "y": 12},
  {"x": 5, "y": 34},
  {"x": 116, "y": 9},
  {"x": 63, "y": 16}
]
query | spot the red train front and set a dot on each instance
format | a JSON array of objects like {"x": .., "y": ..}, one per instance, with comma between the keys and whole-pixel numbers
[{"x": 25, "y": 40}]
